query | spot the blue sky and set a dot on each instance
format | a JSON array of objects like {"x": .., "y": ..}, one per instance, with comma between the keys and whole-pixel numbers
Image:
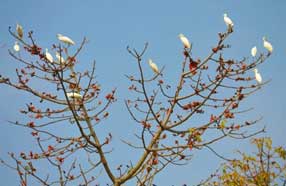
[{"x": 112, "y": 25}]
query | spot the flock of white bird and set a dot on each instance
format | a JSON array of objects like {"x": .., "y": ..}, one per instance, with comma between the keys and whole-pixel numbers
[
  {"x": 60, "y": 59},
  {"x": 268, "y": 47},
  {"x": 153, "y": 66},
  {"x": 49, "y": 56},
  {"x": 229, "y": 24}
]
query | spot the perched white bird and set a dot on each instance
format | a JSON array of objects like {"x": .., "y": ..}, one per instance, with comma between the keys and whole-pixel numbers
[
  {"x": 253, "y": 51},
  {"x": 16, "y": 47},
  {"x": 65, "y": 39},
  {"x": 227, "y": 21},
  {"x": 257, "y": 76},
  {"x": 153, "y": 66},
  {"x": 267, "y": 45},
  {"x": 49, "y": 56},
  {"x": 185, "y": 41},
  {"x": 74, "y": 95},
  {"x": 19, "y": 30},
  {"x": 59, "y": 58}
]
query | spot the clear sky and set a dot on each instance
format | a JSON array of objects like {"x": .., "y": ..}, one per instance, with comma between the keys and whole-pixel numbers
[{"x": 111, "y": 25}]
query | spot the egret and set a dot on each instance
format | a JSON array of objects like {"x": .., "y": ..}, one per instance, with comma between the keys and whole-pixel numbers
[
  {"x": 49, "y": 56},
  {"x": 267, "y": 45},
  {"x": 253, "y": 51},
  {"x": 19, "y": 30},
  {"x": 74, "y": 95},
  {"x": 154, "y": 66},
  {"x": 59, "y": 58},
  {"x": 257, "y": 76},
  {"x": 227, "y": 21},
  {"x": 16, "y": 47},
  {"x": 65, "y": 39},
  {"x": 185, "y": 41}
]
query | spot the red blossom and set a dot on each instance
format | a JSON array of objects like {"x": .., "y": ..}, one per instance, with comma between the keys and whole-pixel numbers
[
  {"x": 34, "y": 50},
  {"x": 72, "y": 86},
  {"x": 215, "y": 49},
  {"x": 155, "y": 161},
  {"x": 146, "y": 125},
  {"x": 213, "y": 118},
  {"x": 71, "y": 59},
  {"x": 237, "y": 127},
  {"x": 234, "y": 105},
  {"x": 39, "y": 116},
  {"x": 50, "y": 148},
  {"x": 187, "y": 106},
  {"x": 31, "y": 154},
  {"x": 96, "y": 119},
  {"x": 191, "y": 105},
  {"x": 31, "y": 108},
  {"x": 95, "y": 87},
  {"x": 60, "y": 159},
  {"x": 193, "y": 66},
  {"x": 34, "y": 133},
  {"x": 109, "y": 97},
  {"x": 36, "y": 156},
  {"x": 228, "y": 114},
  {"x": 31, "y": 124},
  {"x": 240, "y": 97},
  {"x": 47, "y": 154},
  {"x": 196, "y": 103}
]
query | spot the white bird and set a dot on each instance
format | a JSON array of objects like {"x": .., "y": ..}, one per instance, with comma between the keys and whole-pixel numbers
[
  {"x": 185, "y": 41},
  {"x": 267, "y": 45},
  {"x": 153, "y": 66},
  {"x": 16, "y": 47},
  {"x": 65, "y": 39},
  {"x": 59, "y": 58},
  {"x": 49, "y": 56},
  {"x": 227, "y": 21},
  {"x": 257, "y": 76},
  {"x": 74, "y": 95},
  {"x": 19, "y": 30},
  {"x": 253, "y": 51}
]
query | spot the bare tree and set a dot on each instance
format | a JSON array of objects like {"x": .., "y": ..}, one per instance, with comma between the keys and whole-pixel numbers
[{"x": 172, "y": 119}]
